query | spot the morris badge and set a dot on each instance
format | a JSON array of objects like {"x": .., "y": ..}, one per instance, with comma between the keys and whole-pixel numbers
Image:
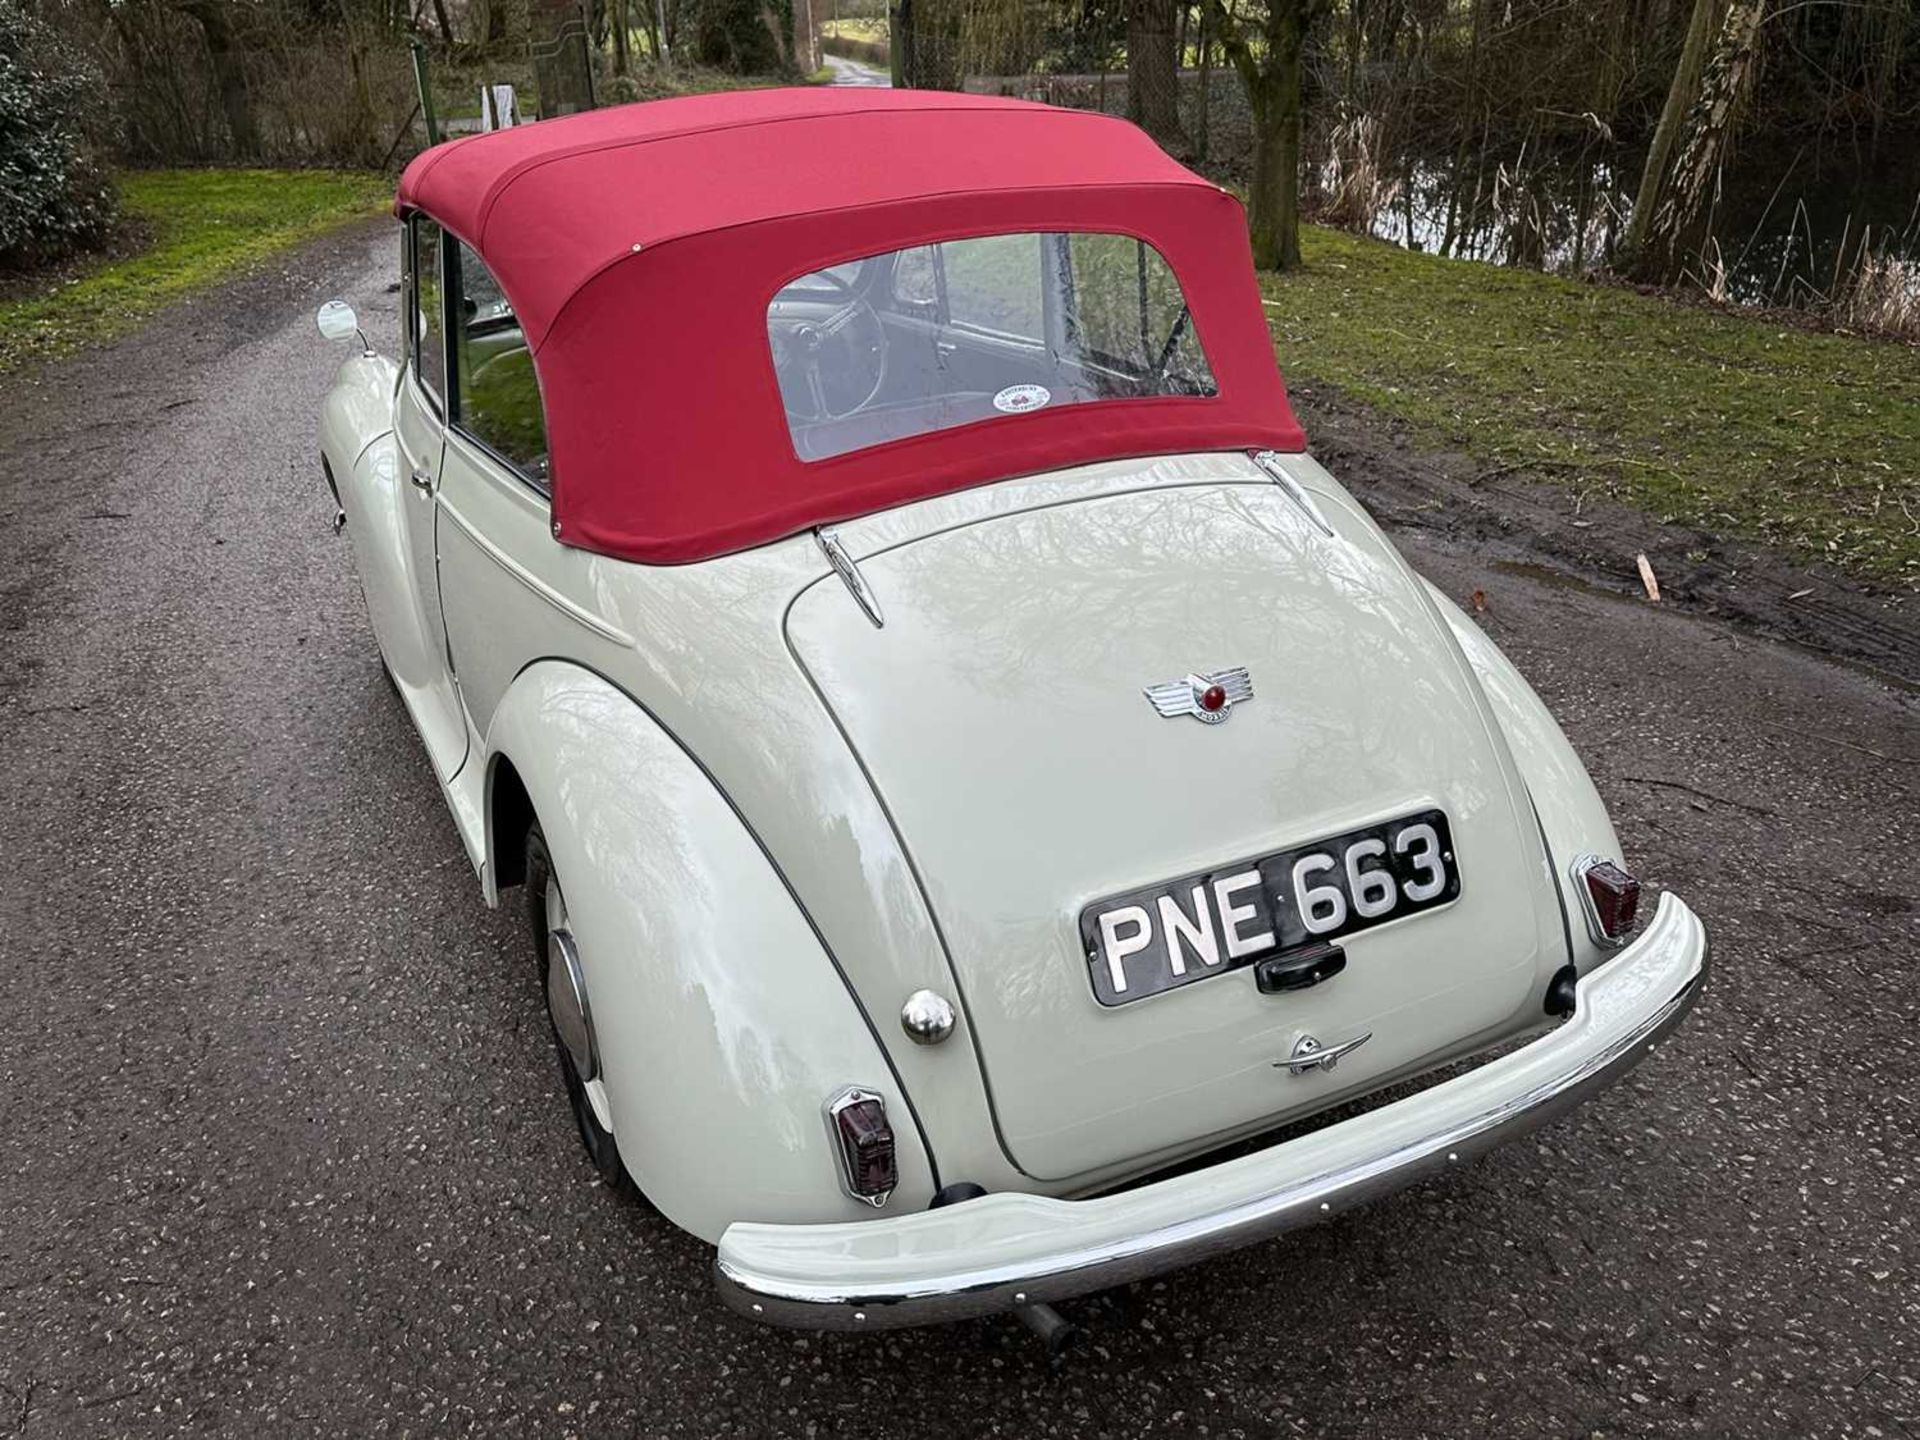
[{"x": 1208, "y": 698}]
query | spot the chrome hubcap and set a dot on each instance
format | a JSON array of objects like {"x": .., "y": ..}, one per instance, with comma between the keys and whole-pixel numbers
[{"x": 567, "y": 990}]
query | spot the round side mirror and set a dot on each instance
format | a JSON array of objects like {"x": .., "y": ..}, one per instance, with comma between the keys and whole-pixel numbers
[{"x": 337, "y": 320}]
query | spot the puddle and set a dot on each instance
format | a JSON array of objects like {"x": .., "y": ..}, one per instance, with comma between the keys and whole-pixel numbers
[{"x": 1558, "y": 579}]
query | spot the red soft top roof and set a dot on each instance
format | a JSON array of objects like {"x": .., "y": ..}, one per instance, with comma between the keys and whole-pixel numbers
[{"x": 640, "y": 246}]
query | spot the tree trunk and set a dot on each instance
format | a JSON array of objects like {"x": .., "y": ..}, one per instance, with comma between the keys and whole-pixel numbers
[
  {"x": 1275, "y": 217},
  {"x": 1205, "y": 118},
  {"x": 1680, "y": 97},
  {"x": 900, "y": 19},
  {"x": 229, "y": 76},
  {"x": 932, "y": 58},
  {"x": 1153, "y": 76},
  {"x": 1264, "y": 206},
  {"x": 622, "y": 37},
  {"x": 806, "y": 41},
  {"x": 1273, "y": 80},
  {"x": 1677, "y": 232}
]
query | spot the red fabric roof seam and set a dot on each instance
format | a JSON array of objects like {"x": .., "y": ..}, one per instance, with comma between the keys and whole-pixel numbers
[{"x": 499, "y": 186}]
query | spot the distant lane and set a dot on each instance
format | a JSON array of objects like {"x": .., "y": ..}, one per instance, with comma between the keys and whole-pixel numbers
[{"x": 854, "y": 72}]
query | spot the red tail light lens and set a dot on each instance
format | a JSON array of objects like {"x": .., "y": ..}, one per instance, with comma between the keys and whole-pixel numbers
[
  {"x": 1615, "y": 895},
  {"x": 865, "y": 1141}
]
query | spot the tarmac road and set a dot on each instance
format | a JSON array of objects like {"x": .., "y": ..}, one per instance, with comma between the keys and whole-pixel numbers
[
  {"x": 848, "y": 71},
  {"x": 285, "y": 1152}
]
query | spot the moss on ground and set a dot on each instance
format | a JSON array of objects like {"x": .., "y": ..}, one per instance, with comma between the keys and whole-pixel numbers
[
  {"x": 1735, "y": 423},
  {"x": 206, "y": 226}
]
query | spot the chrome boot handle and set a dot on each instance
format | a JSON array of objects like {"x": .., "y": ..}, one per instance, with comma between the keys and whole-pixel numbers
[{"x": 1310, "y": 1054}]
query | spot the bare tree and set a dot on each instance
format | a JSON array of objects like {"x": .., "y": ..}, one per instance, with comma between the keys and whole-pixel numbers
[
  {"x": 1153, "y": 72},
  {"x": 227, "y": 60},
  {"x": 1272, "y": 74},
  {"x": 806, "y": 38},
  {"x": 622, "y": 36},
  {"x": 1680, "y": 97},
  {"x": 1204, "y": 140},
  {"x": 1675, "y": 233},
  {"x": 926, "y": 44}
]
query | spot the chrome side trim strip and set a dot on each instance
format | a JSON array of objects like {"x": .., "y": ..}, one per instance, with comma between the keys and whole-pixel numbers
[
  {"x": 605, "y": 629},
  {"x": 1270, "y": 462}
]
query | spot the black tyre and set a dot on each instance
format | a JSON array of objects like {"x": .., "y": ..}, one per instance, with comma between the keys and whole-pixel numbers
[{"x": 546, "y": 914}]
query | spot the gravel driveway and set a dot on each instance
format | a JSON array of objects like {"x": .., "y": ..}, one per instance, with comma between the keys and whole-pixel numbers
[{"x": 285, "y": 1151}]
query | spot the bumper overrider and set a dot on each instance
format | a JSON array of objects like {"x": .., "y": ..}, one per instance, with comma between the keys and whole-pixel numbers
[{"x": 1006, "y": 1250}]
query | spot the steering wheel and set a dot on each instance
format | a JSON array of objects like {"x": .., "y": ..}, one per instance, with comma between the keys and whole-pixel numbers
[{"x": 842, "y": 358}]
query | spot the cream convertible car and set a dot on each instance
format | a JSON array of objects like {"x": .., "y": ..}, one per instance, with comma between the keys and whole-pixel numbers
[{"x": 851, "y": 559}]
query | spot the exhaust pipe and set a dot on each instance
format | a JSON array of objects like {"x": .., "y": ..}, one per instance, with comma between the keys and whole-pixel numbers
[{"x": 1056, "y": 1332}]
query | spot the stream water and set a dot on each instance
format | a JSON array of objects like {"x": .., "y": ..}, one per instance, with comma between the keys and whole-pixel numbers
[{"x": 1786, "y": 224}]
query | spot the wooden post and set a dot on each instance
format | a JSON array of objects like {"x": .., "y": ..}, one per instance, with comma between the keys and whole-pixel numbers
[{"x": 425, "y": 88}]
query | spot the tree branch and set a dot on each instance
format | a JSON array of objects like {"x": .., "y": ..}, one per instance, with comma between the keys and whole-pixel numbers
[{"x": 1227, "y": 26}]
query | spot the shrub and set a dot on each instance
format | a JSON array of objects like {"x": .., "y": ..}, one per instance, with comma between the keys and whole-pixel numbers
[{"x": 54, "y": 195}]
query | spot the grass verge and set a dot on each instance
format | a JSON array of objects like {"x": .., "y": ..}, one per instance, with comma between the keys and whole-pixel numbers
[
  {"x": 205, "y": 226},
  {"x": 871, "y": 29},
  {"x": 1809, "y": 441}
]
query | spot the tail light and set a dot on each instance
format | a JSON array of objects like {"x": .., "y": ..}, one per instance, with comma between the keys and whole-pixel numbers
[
  {"x": 1612, "y": 898},
  {"x": 864, "y": 1140}
]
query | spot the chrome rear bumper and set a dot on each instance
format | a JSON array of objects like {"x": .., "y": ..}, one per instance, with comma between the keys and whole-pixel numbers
[{"x": 1006, "y": 1250}]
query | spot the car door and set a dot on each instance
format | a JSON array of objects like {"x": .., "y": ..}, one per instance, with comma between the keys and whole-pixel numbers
[
  {"x": 414, "y": 636},
  {"x": 975, "y": 312},
  {"x": 511, "y": 591}
]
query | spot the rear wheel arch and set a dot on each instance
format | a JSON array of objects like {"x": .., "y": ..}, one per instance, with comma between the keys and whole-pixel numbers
[
  {"x": 723, "y": 1024},
  {"x": 510, "y": 815}
]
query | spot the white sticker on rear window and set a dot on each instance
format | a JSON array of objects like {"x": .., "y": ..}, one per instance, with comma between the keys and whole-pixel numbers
[{"x": 1018, "y": 399}]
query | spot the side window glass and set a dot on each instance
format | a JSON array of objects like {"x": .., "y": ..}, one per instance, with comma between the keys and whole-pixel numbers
[
  {"x": 913, "y": 277},
  {"x": 499, "y": 401},
  {"x": 428, "y": 323},
  {"x": 993, "y": 284}
]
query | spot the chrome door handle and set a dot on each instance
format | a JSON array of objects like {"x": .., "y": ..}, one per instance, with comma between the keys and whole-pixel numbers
[
  {"x": 1310, "y": 1054},
  {"x": 422, "y": 480}
]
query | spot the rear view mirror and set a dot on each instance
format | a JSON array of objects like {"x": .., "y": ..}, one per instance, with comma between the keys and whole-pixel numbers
[{"x": 338, "y": 322}]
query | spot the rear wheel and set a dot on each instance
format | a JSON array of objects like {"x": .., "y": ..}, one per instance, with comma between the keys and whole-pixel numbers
[{"x": 570, "y": 1014}]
